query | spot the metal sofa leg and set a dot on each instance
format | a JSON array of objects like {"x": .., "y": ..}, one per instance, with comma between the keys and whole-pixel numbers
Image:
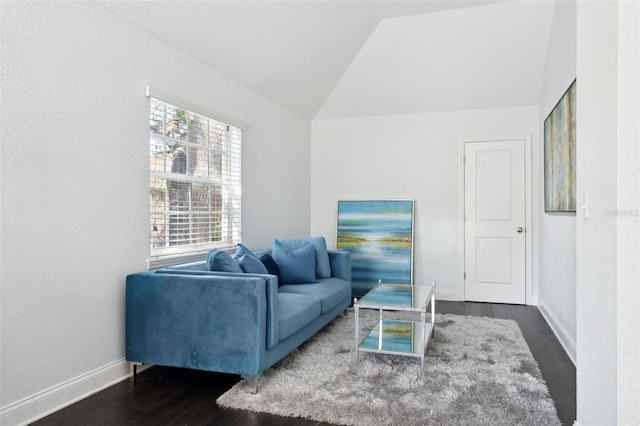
[
  {"x": 133, "y": 370},
  {"x": 252, "y": 382}
]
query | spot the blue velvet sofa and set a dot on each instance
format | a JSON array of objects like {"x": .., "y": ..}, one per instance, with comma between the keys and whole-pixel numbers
[{"x": 231, "y": 322}]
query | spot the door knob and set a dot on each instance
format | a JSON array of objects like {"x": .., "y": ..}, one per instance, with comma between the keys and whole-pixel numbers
[{"x": 520, "y": 229}]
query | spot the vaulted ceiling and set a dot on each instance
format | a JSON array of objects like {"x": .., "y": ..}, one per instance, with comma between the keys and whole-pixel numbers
[{"x": 354, "y": 58}]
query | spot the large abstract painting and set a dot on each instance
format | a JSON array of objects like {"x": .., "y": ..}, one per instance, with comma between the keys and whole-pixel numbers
[
  {"x": 379, "y": 235},
  {"x": 560, "y": 155}
]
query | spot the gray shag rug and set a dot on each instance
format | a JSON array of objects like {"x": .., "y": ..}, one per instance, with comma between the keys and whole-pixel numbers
[{"x": 478, "y": 371}]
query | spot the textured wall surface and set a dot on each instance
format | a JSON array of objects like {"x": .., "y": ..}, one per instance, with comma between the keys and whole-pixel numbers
[
  {"x": 628, "y": 213},
  {"x": 74, "y": 176},
  {"x": 596, "y": 238}
]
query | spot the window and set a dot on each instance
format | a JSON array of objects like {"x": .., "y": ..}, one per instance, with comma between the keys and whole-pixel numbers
[{"x": 195, "y": 188}]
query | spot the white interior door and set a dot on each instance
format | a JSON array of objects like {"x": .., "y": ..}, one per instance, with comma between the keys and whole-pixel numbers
[{"x": 495, "y": 219}]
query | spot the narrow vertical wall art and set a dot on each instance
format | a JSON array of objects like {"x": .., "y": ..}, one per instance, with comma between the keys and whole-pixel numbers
[{"x": 560, "y": 155}]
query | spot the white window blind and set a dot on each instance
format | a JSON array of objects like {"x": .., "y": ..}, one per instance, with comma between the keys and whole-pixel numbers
[{"x": 195, "y": 181}]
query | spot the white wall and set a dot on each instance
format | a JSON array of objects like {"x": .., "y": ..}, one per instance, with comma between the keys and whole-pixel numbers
[
  {"x": 596, "y": 237},
  {"x": 413, "y": 156},
  {"x": 557, "y": 231},
  {"x": 74, "y": 181},
  {"x": 608, "y": 243},
  {"x": 628, "y": 214}
]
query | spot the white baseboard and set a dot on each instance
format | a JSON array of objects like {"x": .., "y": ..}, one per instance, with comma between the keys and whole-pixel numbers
[
  {"x": 57, "y": 397},
  {"x": 448, "y": 295},
  {"x": 561, "y": 333}
]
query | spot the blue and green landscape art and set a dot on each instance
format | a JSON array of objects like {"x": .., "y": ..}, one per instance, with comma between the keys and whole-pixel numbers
[
  {"x": 397, "y": 336},
  {"x": 379, "y": 235}
]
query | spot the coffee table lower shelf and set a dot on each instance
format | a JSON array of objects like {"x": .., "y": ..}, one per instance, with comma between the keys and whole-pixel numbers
[{"x": 406, "y": 338}]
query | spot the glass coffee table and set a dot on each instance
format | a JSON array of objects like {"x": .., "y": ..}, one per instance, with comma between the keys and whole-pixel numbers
[{"x": 398, "y": 337}]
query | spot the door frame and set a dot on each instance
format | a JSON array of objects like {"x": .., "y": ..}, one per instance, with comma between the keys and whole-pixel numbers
[{"x": 530, "y": 297}]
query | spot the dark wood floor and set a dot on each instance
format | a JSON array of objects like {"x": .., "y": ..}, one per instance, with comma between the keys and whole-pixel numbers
[{"x": 170, "y": 396}]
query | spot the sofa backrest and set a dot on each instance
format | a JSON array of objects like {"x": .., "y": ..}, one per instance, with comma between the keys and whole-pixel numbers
[{"x": 200, "y": 265}]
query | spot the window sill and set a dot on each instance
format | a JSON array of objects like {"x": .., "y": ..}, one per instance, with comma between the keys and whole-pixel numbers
[{"x": 177, "y": 259}]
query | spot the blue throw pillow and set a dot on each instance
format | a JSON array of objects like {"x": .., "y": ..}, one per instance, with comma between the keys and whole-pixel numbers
[
  {"x": 251, "y": 264},
  {"x": 242, "y": 250},
  {"x": 296, "y": 266},
  {"x": 323, "y": 267},
  {"x": 271, "y": 265},
  {"x": 221, "y": 261}
]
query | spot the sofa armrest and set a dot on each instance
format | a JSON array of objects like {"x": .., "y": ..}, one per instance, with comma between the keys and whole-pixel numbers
[
  {"x": 273, "y": 329},
  {"x": 340, "y": 261},
  {"x": 199, "y": 321}
]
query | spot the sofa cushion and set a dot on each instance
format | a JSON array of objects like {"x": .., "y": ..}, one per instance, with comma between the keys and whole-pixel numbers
[
  {"x": 323, "y": 267},
  {"x": 271, "y": 265},
  {"x": 297, "y": 265},
  {"x": 251, "y": 264},
  {"x": 296, "y": 311},
  {"x": 219, "y": 260},
  {"x": 330, "y": 291}
]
